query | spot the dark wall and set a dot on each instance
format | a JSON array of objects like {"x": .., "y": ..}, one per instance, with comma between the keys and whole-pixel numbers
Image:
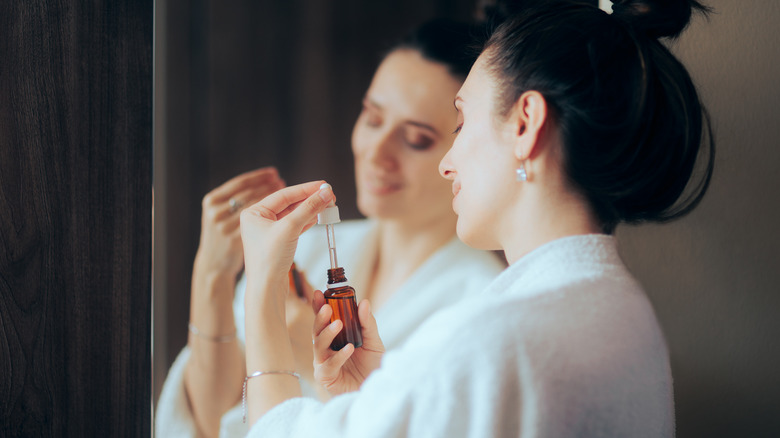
[
  {"x": 713, "y": 277},
  {"x": 75, "y": 208}
]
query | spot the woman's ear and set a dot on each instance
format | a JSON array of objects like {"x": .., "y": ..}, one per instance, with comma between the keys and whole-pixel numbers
[{"x": 528, "y": 117}]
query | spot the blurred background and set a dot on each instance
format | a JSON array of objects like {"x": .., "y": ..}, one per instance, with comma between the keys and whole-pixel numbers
[{"x": 249, "y": 84}]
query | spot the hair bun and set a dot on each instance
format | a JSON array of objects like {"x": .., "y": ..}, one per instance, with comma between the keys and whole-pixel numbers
[{"x": 657, "y": 18}]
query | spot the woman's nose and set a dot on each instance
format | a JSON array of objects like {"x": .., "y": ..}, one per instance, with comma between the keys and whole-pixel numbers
[
  {"x": 381, "y": 150},
  {"x": 445, "y": 166}
]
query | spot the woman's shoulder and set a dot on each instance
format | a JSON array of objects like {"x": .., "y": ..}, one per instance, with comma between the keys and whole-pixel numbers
[
  {"x": 579, "y": 331},
  {"x": 561, "y": 301}
]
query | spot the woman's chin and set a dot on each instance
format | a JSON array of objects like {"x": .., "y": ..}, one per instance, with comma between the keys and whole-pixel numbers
[
  {"x": 472, "y": 237},
  {"x": 370, "y": 206}
]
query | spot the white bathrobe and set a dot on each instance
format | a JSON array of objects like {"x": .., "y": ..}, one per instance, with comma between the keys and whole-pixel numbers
[
  {"x": 564, "y": 343},
  {"x": 450, "y": 274}
]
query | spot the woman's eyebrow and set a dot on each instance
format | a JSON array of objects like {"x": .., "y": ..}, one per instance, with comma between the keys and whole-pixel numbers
[{"x": 368, "y": 101}]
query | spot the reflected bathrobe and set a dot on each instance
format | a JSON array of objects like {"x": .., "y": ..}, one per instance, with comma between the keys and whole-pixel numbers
[
  {"x": 564, "y": 343},
  {"x": 450, "y": 274}
]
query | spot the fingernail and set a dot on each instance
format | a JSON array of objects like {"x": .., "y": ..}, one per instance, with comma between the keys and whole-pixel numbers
[
  {"x": 325, "y": 194},
  {"x": 334, "y": 326}
]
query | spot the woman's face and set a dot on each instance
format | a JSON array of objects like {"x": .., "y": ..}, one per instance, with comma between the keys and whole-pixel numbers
[
  {"x": 481, "y": 163},
  {"x": 403, "y": 131}
]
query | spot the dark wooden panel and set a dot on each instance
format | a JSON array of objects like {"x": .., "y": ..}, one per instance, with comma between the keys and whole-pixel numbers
[{"x": 75, "y": 218}]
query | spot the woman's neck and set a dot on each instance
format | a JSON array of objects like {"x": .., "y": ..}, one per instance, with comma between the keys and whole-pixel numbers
[
  {"x": 401, "y": 245},
  {"x": 401, "y": 249},
  {"x": 547, "y": 217}
]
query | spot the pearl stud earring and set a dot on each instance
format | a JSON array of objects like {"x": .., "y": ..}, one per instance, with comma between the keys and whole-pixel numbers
[{"x": 522, "y": 176}]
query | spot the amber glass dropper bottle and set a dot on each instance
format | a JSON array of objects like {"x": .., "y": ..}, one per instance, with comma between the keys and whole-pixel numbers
[{"x": 339, "y": 294}]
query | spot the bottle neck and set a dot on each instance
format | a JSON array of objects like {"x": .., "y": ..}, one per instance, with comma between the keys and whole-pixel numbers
[{"x": 336, "y": 278}]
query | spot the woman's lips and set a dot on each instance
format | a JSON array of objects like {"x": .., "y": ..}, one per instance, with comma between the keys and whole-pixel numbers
[{"x": 455, "y": 188}]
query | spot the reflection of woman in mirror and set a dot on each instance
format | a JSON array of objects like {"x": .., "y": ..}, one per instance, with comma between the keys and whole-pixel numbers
[
  {"x": 570, "y": 122},
  {"x": 405, "y": 257}
]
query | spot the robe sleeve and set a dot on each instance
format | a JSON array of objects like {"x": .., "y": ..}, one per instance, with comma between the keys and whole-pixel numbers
[
  {"x": 173, "y": 417},
  {"x": 435, "y": 385},
  {"x": 173, "y": 414}
]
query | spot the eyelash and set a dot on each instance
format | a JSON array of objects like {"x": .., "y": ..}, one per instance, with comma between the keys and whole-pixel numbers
[
  {"x": 419, "y": 146},
  {"x": 457, "y": 130},
  {"x": 369, "y": 117}
]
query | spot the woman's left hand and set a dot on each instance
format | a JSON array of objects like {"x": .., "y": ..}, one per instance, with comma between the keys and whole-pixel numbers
[
  {"x": 344, "y": 370},
  {"x": 270, "y": 230}
]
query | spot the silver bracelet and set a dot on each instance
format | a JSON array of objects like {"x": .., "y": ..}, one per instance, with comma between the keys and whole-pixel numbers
[
  {"x": 221, "y": 339},
  {"x": 260, "y": 373}
]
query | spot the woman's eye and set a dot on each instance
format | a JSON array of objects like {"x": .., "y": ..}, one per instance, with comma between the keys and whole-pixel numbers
[
  {"x": 420, "y": 143},
  {"x": 372, "y": 120},
  {"x": 370, "y": 117},
  {"x": 457, "y": 130}
]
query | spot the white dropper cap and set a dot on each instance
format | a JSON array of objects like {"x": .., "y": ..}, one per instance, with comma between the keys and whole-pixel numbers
[{"x": 331, "y": 213}]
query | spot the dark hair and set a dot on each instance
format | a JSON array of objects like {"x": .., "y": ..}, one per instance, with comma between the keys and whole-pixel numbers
[
  {"x": 629, "y": 115},
  {"x": 451, "y": 43}
]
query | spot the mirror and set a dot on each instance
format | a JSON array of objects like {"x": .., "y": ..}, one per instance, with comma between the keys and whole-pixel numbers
[{"x": 251, "y": 85}]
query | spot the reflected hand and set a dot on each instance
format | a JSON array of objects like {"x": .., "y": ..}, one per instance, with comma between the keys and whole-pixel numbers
[
  {"x": 220, "y": 249},
  {"x": 344, "y": 370}
]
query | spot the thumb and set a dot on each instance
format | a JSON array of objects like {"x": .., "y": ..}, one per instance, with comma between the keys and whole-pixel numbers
[
  {"x": 368, "y": 328},
  {"x": 317, "y": 301}
]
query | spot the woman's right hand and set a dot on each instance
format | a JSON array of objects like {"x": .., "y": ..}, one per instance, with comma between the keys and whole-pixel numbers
[
  {"x": 220, "y": 250},
  {"x": 344, "y": 370},
  {"x": 215, "y": 370}
]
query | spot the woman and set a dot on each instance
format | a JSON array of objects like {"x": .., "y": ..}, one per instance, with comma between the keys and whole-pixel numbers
[
  {"x": 570, "y": 122},
  {"x": 396, "y": 257}
]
